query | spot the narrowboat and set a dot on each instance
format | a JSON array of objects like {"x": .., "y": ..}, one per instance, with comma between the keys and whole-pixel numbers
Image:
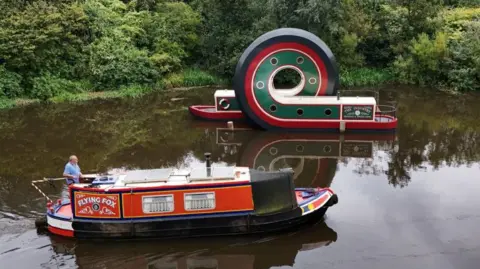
[
  {"x": 168, "y": 202},
  {"x": 315, "y": 103}
]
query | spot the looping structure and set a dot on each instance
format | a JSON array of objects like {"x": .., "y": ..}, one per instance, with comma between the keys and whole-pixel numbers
[{"x": 277, "y": 50}]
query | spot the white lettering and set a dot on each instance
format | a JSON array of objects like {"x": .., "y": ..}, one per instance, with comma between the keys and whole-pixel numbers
[{"x": 91, "y": 200}]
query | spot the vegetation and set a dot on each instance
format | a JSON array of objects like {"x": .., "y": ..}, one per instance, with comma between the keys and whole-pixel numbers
[{"x": 56, "y": 49}]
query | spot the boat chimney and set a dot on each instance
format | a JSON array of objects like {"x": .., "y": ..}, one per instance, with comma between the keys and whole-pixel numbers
[
  {"x": 338, "y": 95},
  {"x": 209, "y": 168}
]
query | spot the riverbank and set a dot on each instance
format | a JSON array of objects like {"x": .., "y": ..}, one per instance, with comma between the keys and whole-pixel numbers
[{"x": 193, "y": 79}]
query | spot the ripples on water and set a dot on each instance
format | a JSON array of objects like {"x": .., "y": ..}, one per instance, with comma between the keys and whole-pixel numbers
[{"x": 407, "y": 201}]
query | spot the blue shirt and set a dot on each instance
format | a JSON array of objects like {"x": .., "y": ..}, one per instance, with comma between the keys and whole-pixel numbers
[{"x": 73, "y": 170}]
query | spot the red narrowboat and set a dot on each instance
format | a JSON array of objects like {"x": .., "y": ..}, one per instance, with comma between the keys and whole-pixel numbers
[{"x": 205, "y": 201}]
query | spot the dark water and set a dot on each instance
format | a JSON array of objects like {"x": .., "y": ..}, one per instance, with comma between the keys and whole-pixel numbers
[{"x": 405, "y": 201}]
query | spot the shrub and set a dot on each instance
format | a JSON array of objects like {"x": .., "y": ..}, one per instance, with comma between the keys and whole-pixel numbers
[{"x": 10, "y": 83}]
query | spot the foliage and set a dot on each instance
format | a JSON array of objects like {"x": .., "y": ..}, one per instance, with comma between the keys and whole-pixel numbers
[
  {"x": 463, "y": 65},
  {"x": 192, "y": 77},
  {"x": 9, "y": 83},
  {"x": 425, "y": 60},
  {"x": 54, "y": 48},
  {"x": 365, "y": 77}
]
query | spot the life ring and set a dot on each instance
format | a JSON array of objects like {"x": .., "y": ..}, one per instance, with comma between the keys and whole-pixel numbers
[{"x": 222, "y": 102}]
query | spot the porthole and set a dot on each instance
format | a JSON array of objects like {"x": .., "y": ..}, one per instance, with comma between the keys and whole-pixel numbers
[
  {"x": 299, "y": 148},
  {"x": 260, "y": 85},
  {"x": 273, "y": 108},
  {"x": 273, "y": 151},
  {"x": 328, "y": 112},
  {"x": 300, "y": 60},
  {"x": 327, "y": 149},
  {"x": 274, "y": 61},
  {"x": 300, "y": 112}
]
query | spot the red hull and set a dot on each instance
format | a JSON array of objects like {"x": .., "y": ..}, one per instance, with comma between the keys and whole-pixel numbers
[
  {"x": 210, "y": 113},
  {"x": 385, "y": 122}
]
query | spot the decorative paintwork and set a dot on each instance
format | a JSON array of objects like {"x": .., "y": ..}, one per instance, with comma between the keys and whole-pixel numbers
[
  {"x": 288, "y": 59},
  {"x": 357, "y": 112},
  {"x": 96, "y": 205},
  {"x": 228, "y": 199},
  {"x": 317, "y": 202}
]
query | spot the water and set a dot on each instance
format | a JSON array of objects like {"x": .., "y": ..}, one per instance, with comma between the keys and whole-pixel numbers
[{"x": 405, "y": 201}]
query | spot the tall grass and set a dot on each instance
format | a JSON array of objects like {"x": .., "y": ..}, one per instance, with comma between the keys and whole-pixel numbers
[
  {"x": 193, "y": 78},
  {"x": 365, "y": 77}
]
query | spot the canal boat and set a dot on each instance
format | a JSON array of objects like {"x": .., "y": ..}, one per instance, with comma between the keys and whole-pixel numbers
[
  {"x": 168, "y": 202},
  {"x": 315, "y": 103}
]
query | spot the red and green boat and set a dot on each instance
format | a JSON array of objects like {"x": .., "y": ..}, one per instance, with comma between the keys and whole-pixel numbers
[{"x": 313, "y": 104}]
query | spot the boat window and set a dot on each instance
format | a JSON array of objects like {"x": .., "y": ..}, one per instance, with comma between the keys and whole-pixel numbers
[
  {"x": 157, "y": 203},
  {"x": 199, "y": 201}
]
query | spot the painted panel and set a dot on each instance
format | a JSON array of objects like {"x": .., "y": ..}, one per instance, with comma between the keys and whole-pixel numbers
[
  {"x": 96, "y": 205},
  {"x": 315, "y": 204},
  {"x": 308, "y": 111},
  {"x": 357, "y": 112},
  {"x": 227, "y": 199}
]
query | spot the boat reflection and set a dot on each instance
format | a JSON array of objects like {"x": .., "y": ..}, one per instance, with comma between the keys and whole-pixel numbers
[
  {"x": 218, "y": 253},
  {"x": 313, "y": 157}
]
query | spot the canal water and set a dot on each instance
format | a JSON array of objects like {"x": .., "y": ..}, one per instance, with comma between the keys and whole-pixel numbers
[{"x": 408, "y": 200}]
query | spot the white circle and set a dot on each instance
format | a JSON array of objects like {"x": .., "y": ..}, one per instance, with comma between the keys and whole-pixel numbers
[
  {"x": 312, "y": 80},
  {"x": 357, "y": 112},
  {"x": 273, "y": 151},
  {"x": 260, "y": 85},
  {"x": 261, "y": 168},
  {"x": 300, "y": 60}
]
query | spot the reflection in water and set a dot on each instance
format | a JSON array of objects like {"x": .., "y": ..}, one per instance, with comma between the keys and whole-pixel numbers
[
  {"x": 313, "y": 156},
  {"x": 217, "y": 253},
  {"x": 435, "y": 131}
]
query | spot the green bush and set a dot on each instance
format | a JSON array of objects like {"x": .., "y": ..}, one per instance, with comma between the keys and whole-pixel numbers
[
  {"x": 425, "y": 60},
  {"x": 10, "y": 83},
  {"x": 463, "y": 64},
  {"x": 48, "y": 86},
  {"x": 115, "y": 62}
]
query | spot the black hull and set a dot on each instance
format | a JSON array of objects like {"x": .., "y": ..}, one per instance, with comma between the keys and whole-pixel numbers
[{"x": 218, "y": 226}]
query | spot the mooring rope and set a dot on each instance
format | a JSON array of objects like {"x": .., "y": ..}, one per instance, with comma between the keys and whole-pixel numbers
[{"x": 45, "y": 180}]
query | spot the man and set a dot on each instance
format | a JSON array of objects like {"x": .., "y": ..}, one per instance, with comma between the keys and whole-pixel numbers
[{"x": 72, "y": 171}]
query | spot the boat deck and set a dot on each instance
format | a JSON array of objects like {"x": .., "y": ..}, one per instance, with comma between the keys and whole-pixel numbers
[{"x": 170, "y": 177}]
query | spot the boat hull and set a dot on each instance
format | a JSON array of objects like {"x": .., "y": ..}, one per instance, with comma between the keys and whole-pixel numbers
[
  {"x": 240, "y": 223},
  {"x": 382, "y": 122},
  {"x": 209, "y": 113}
]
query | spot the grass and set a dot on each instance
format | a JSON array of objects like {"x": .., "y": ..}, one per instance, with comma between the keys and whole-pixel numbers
[
  {"x": 193, "y": 78},
  {"x": 197, "y": 78},
  {"x": 187, "y": 78},
  {"x": 365, "y": 77}
]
